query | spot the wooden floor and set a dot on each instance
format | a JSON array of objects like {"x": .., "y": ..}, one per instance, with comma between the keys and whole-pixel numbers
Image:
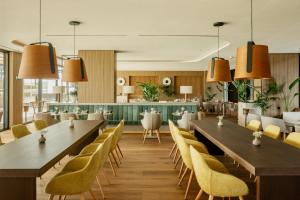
[{"x": 146, "y": 173}]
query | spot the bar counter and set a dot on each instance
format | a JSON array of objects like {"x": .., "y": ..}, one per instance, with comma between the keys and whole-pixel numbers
[{"x": 130, "y": 112}]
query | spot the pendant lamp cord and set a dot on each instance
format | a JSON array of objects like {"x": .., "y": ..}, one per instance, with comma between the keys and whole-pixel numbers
[
  {"x": 40, "y": 23},
  {"x": 218, "y": 42},
  {"x": 74, "y": 39},
  {"x": 251, "y": 19}
]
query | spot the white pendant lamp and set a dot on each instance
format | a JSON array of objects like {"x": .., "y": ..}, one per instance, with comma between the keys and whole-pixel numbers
[
  {"x": 252, "y": 60},
  {"x": 38, "y": 59},
  {"x": 218, "y": 68},
  {"x": 74, "y": 68}
]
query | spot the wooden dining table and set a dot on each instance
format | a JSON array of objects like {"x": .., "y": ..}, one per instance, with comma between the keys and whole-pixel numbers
[
  {"x": 25, "y": 159},
  {"x": 276, "y": 164}
]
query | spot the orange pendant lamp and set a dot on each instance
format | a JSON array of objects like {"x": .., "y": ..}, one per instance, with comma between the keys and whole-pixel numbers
[
  {"x": 74, "y": 68},
  {"x": 252, "y": 60},
  {"x": 38, "y": 59},
  {"x": 218, "y": 68}
]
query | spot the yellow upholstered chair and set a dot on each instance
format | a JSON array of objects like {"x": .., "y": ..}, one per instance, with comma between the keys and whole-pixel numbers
[
  {"x": 19, "y": 131},
  {"x": 272, "y": 131},
  {"x": 183, "y": 146},
  {"x": 253, "y": 125},
  {"x": 293, "y": 139},
  {"x": 40, "y": 124},
  {"x": 185, "y": 133},
  {"x": 71, "y": 182},
  {"x": 215, "y": 183},
  {"x": 117, "y": 133}
]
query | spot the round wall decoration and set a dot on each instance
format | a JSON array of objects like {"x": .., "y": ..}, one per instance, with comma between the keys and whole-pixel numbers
[
  {"x": 166, "y": 81},
  {"x": 120, "y": 81}
]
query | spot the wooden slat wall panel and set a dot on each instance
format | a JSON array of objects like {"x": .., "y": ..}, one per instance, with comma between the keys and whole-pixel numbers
[
  {"x": 284, "y": 69},
  {"x": 160, "y": 75},
  {"x": 134, "y": 80},
  {"x": 15, "y": 90},
  {"x": 101, "y": 70},
  {"x": 195, "y": 81}
]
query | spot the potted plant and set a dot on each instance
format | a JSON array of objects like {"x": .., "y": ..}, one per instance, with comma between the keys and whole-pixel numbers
[
  {"x": 167, "y": 90},
  {"x": 150, "y": 91},
  {"x": 288, "y": 96}
]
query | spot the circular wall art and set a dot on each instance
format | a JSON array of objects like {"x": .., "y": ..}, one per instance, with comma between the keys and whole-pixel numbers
[
  {"x": 120, "y": 81},
  {"x": 166, "y": 81}
]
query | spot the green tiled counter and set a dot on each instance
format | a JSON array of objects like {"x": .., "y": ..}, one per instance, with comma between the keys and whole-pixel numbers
[{"x": 130, "y": 112}]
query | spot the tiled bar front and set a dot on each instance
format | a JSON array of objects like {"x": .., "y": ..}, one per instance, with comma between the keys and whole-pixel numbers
[{"x": 130, "y": 112}]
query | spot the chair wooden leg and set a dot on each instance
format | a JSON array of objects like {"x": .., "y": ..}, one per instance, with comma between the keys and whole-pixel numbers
[
  {"x": 181, "y": 168},
  {"x": 113, "y": 155},
  {"x": 104, "y": 175},
  {"x": 145, "y": 136},
  {"x": 51, "y": 197},
  {"x": 92, "y": 194},
  {"x": 241, "y": 198},
  {"x": 182, "y": 177},
  {"x": 59, "y": 197},
  {"x": 177, "y": 162},
  {"x": 118, "y": 155},
  {"x": 199, "y": 195},
  {"x": 175, "y": 156},
  {"x": 211, "y": 197},
  {"x": 65, "y": 197},
  {"x": 111, "y": 165},
  {"x": 189, "y": 184},
  {"x": 120, "y": 150},
  {"x": 82, "y": 197},
  {"x": 158, "y": 135},
  {"x": 172, "y": 150},
  {"x": 100, "y": 187},
  {"x": 144, "y": 132}
]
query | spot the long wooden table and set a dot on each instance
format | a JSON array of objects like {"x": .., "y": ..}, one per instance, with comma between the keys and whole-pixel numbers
[
  {"x": 277, "y": 165},
  {"x": 25, "y": 159}
]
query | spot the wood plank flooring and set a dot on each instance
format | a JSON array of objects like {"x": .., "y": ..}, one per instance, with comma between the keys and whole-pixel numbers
[{"x": 146, "y": 173}]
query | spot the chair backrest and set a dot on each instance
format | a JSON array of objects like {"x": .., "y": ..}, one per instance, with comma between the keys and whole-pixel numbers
[
  {"x": 66, "y": 116},
  {"x": 95, "y": 116},
  {"x": 81, "y": 180},
  {"x": 272, "y": 131},
  {"x": 46, "y": 117},
  {"x": 293, "y": 139},
  {"x": 171, "y": 125},
  {"x": 151, "y": 121},
  {"x": 291, "y": 116},
  {"x": 253, "y": 125},
  {"x": 213, "y": 182},
  {"x": 40, "y": 124},
  {"x": 184, "y": 122},
  {"x": 19, "y": 131},
  {"x": 265, "y": 121}
]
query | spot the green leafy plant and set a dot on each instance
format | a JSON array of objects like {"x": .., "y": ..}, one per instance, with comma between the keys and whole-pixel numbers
[
  {"x": 167, "y": 90},
  {"x": 288, "y": 97},
  {"x": 209, "y": 94},
  {"x": 241, "y": 87},
  {"x": 150, "y": 91}
]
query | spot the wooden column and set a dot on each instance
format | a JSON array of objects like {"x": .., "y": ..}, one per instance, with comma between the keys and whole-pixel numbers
[
  {"x": 15, "y": 90},
  {"x": 101, "y": 72}
]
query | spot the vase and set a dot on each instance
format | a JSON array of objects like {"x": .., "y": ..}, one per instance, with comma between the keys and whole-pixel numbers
[
  {"x": 220, "y": 122},
  {"x": 71, "y": 123},
  {"x": 256, "y": 141}
]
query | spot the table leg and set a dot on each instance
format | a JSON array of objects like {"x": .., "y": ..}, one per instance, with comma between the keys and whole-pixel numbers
[
  {"x": 277, "y": 187},
  {"x": 17, "y": 188}
]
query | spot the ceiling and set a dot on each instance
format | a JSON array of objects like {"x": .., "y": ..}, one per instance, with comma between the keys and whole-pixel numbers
[{"x": 154, "y": 34}]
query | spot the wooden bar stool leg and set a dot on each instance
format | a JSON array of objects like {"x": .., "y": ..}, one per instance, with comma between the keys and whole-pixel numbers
[
  {"x": 113, "y": 155},
  {"x": 111, "y": 165},
  {"x": 182, "y": 177},
  {"x": 199, "y": 195},
  {"x": 189, "y": 184},
  {"x": 100, "y": 187},
  {"x": 145, "y": 136},
  {"x": 120, "y": 150},
  {"x": 181, "y": 168},
  {"x": 177, "y": 161},
  {"x": 158, "y": 135},
  {"x": 175, "y": 156},
  {"x": 172, "y": 150}
]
